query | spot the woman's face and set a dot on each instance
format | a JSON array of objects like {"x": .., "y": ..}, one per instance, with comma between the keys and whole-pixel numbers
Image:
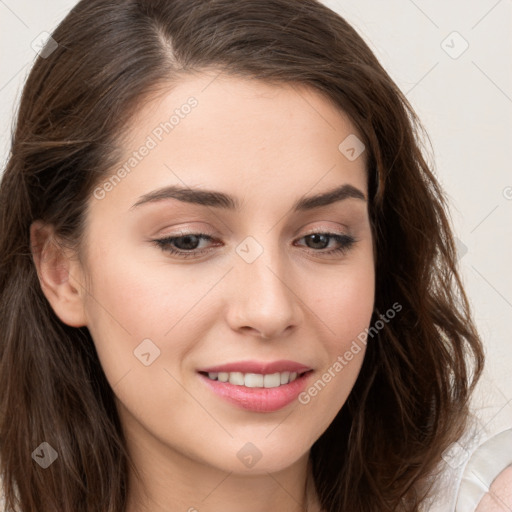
[{"x": 252, "y": 296}]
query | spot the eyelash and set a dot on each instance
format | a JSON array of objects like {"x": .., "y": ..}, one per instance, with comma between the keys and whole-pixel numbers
[{"x": 346, "y": 242}]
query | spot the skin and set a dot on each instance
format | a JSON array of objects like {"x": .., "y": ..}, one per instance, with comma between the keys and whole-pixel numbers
[
  {"x": 499, "y": 497},
  {"x": 267, "y": 146}
]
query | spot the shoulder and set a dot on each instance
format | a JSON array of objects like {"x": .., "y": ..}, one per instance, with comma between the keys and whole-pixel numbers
[
  {"x": 446, "y": 482},
  {"x": 499, "y": 497},
  {"x": 475, "y": 476},
  {"x": 486, "y": 484}
]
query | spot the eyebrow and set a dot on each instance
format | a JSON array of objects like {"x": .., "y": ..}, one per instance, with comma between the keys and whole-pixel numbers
[{"x": 221, "y": 200}]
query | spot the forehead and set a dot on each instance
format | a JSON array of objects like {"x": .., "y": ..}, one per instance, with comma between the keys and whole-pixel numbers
[
  {"x": 241, "y": 112},
  {"x": 243, "y": 136}
]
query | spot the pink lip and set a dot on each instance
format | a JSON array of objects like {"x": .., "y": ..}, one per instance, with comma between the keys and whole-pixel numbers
[
  {"x": 258, "y": 399},
  {"x": 264, "y": 368}
]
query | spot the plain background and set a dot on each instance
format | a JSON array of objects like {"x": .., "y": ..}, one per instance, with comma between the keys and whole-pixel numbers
[{"x": 464, "y": 99}]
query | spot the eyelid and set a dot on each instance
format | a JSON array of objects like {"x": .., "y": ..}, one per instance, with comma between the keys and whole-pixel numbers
[
  {"x": 213, "y": 236},
  {"x": 188, "y": 231},
  {"x": 324, "y": 230}
]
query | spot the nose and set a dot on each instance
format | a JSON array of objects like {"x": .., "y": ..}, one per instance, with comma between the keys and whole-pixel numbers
[{"x": 264, "y": 297}]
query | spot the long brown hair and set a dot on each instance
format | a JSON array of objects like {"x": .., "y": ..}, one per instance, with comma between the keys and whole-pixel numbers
[{"x": 410, "y": 401}]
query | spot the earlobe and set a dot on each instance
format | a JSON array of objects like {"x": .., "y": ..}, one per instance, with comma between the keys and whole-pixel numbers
[{"x": 59, "y": 274}]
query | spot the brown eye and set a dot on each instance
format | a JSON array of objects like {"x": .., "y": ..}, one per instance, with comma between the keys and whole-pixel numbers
[
  {"x": 320, "y": 241},
  {"x": 184, "y": 245}
]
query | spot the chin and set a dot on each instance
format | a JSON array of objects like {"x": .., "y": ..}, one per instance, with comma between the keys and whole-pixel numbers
[{"x": 260, "y": 455}]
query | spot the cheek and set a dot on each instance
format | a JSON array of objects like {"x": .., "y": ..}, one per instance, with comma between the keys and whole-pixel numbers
[
  {"x": 345, "y": 309},
  {"x": 130, "y": 302},
  {"x": 345, "y": 305},
  {"x": 143, "y": 296}
]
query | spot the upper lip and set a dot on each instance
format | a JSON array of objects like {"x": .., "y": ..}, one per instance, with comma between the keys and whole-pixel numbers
[{"x": 262, "y": 367}]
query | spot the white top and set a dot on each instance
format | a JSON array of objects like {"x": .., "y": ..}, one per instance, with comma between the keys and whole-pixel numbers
[
  {"x": 471, "y": 466},
  {"x": 486, "y": 463}
]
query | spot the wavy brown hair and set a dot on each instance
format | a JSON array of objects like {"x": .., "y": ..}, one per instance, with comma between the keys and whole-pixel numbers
[{"x": 411, "y": 399}]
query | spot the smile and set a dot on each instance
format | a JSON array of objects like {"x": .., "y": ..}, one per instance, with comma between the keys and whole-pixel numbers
[
  {"x": 255, "y": 380},
  {"x": 257, "y": 386}
]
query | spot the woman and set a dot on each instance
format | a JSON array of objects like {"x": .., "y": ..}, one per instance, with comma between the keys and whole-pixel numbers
[{"x": 227, "y": 274}]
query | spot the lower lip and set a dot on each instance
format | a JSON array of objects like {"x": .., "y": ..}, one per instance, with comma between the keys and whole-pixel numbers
[{"x": 259, "y": 399}]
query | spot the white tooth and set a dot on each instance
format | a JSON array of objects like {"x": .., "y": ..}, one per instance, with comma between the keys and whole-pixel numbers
[
  {"x": 236, "y": 378},
  {"x": 272, "y": 380},
  {"x": 253, "y": 380}
]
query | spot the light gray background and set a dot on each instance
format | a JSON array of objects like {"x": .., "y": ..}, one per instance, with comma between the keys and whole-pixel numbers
[{"x": 465, "y": 104}]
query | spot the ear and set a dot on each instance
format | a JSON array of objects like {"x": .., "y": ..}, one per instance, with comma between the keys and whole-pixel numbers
[{"x": 60, "y": 274}]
